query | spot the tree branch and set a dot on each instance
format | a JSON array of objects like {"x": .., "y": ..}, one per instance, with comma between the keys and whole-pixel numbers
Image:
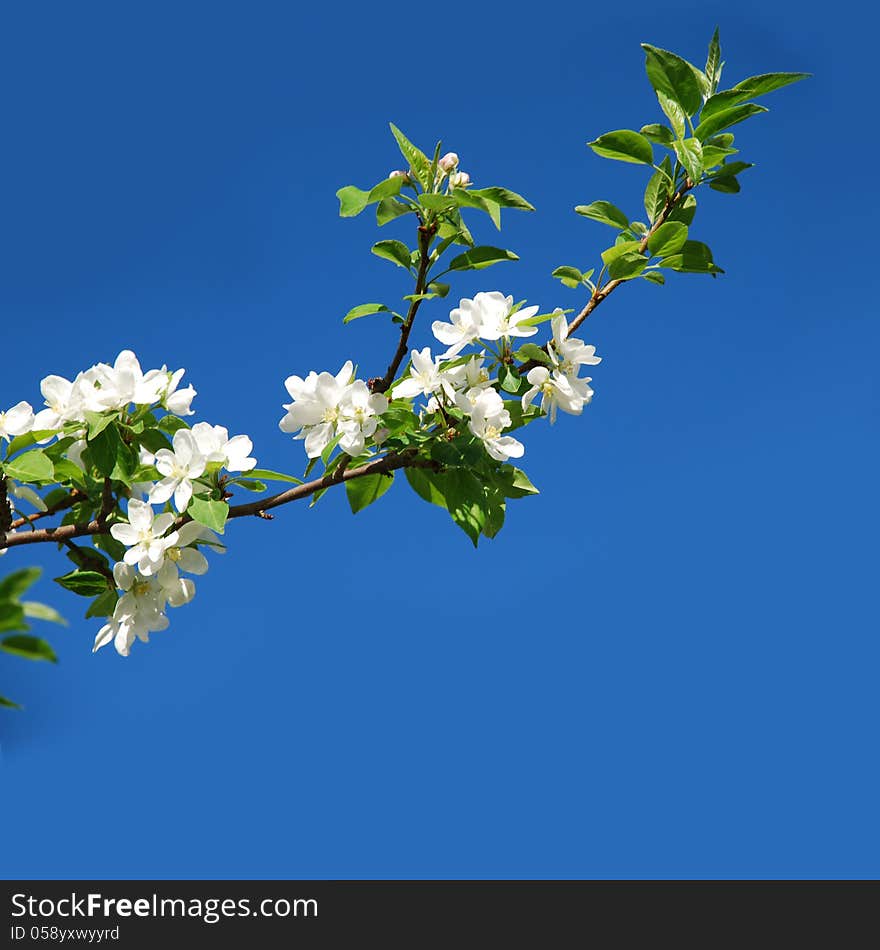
[
  {"x": 381, "y": 466},
  {"x": 381, "y": 385},
  {"x": 67, "y": 502}
]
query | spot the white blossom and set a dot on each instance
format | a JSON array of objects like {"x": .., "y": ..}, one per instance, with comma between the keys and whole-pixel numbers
[
  {"x": 569, "y": 353},
  {"x": 488, "y": 420},
  {"x": 16, "y": 421},
  {"x": 497, "y": 319},
  {"x": 424, "y": 376},
  {"x": 359, "y": 410},
  {"x": 179, "y": 467},
  {"x": 145, "y": 536},
  {"x": 314, "y": 411},
  {"x": 214, "y": 443},
  {"x": 557, "y": 391},
  {"x": 465, "y": 322}
]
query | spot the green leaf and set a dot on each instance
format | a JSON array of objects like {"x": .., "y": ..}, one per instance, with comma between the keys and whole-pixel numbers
[
  {"x": 8, "y": 703},
  {"x": 389, "y": 188},
  {"x": 479, "y": 257},
  {"x": 674, "y": 77},
  {"x": 657, "y": 133},
  {"x": 727, "y": 185},
  {"x": 654, "y": 277},
  {"x": 624, "y": 261},
  {"x": 674, "y": 112},
  {"x": 270, "y": 476},
  {"x": 416, "y": 159},
  {"x": 438, "y": 203},
  {"x": 427, "y": 485},
  {"x": 103, "y": 605},
  {"x": 249, "y": 484},
  {"x": 624, "y": 145},
  {"x": 171, "y": 424},
  {"x": 212, "y": 514},
  {"x": 84, "y": 583},
  {"x": 367, "y": 489},
  {"x": 605, "y": 213},
  {"x": 98, "y": 422},
  {"x": 769, "y": 82},
  {"x": 684, "y": 211},
  {"x": 352, "y": 201},
  {"x": 531, "y": 351},
  {"x": 713, "y": 63},
  {"x": 570, "y": 276},
  {"x": 515, "y": 483},
  {"x": 440, "y": 290},
  {"x": 694, "y": 258},
  {"x": 26, "y": 439},
  {"x": 732, "y": 168},
  {"x": 725, "y": 119},
  {"x": 42, "y": 612},
  {"x": 12, "y": 617},
  {"x": 656, "y": 193},
  {"x": 364, "y": 310},
  {"x": 465, "y": 501},
  {"x": 722, "y": 101},
  {"x": 668, "y": 239},
  {"x": 13, "y": 586},
  {"x": 31, "y": 648},
  {"x": 690, "y": 154},
  {"x": 389, "y": 209},
  {"x": 395, "y": 251},
  {"x": 31, "y": 466},
  {"x": 503, "y": 197},
  {"x": 153, "y": 440},
  {"x": 105, "y": 449}
]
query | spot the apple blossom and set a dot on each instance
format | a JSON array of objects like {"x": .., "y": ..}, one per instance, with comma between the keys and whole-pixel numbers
[
  {"x": 424, "y": 376},
  {"x": 144, "y": 536},
  {"x": 16, "y": 421},
  {"x": 179, "y": 467},
  {"x": 488, "y": 419}
]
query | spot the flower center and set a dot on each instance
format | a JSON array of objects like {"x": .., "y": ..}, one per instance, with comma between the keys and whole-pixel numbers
[
  {"x": 331, "y": 414},
  {"x": 492, "y": 432},
  {"x": 173, "y": 554},
  {"x": 547, "y": 388},
  {"x": 139, "y": 588}
]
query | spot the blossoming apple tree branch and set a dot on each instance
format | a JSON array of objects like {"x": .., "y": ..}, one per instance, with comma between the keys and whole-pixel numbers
[{"x": 114, "y": 455}]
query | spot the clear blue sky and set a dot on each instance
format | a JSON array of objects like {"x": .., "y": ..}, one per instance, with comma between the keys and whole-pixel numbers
[{"x": 666, "y": 665}]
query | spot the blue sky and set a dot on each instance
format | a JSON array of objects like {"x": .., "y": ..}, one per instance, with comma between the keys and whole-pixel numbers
[{"x": 665, "y": 665}]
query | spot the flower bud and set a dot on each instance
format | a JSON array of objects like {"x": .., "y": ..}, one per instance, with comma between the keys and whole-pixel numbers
[
  {"x": 398, "y": 173},
  {"x": 448, "y": 162},
  {"x": 460, "y": 180}
]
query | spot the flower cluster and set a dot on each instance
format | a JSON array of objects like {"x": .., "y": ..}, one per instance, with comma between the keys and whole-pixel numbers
[
  {"x": 157, "y": 547},
  {"x": 329, "y": 407},
  {"x": 338, "y": 409},
  {"x": 448, "y": 174},
  {"x": 149, "y": 574}
]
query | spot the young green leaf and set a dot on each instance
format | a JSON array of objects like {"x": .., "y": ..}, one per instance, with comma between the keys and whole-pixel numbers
[
  {"x": 674, "y": 112},
  {"x": 415, "y": 158},
  {"x": 657, "y": 133},
  {"x": 367, "y": 489},
  {"x": 674, "y": 77},
  {"x": 769, "y": 82},
  {"x": 570, "y": 276},
  {"x": 668, "y": 239},
  {"x": 656, "y": 193},
  {"x": 30, "y": 648},
  {"x": 694, "y": 258},
  {"x": 31, "y": 466},
  {"x": 624, "y": 145},
  {"x": 395, "y": 251},
  {"x": 605, "y": 213},
  {"x": 84, "y": 583},
  {"x": 713, "y": 63},
  {"x": 388, "y": 209},
  {"x": 503, "y": 197},
  {"x": 8, "y": 703},
  {"x": 624, "y": 261},
  {"x": 352, "y": 201},
  {"x": 13, "y": 586},
  {"x": 212, "y": 514},
  {"x": 42, "y": 612},
  {"x": 479, "y": 257},
  {"x": 690, "y": 154},
  {"x": 270, "y": 476},
  {"x": 364, "y": 310},
  {"x": 725, "y": 119}
]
